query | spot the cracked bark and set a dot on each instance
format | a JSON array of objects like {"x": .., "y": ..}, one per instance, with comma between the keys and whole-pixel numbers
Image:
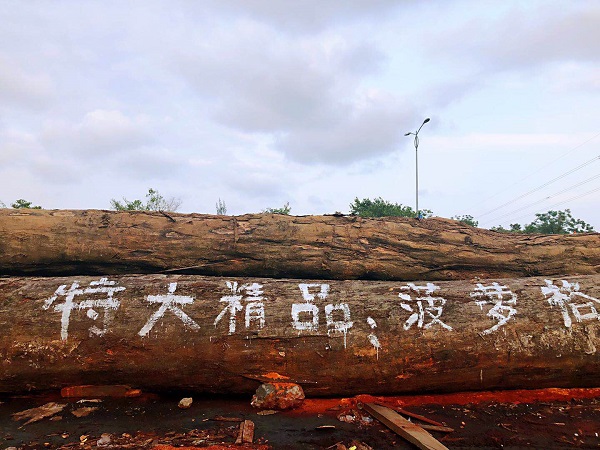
[{"x": 38, "y": 242}]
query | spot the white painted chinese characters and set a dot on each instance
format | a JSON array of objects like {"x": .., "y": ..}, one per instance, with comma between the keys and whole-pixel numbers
[
  {"x": 308, "y": 307},
  {"x": 565, "y": 298},
  {"x": 243, "y": 306},
  {"x": 108, "y": 304},
  {"x": 334, "y": 327},
  {"x": 255, "y": 307},
  {"x": 372, "y": 338},
  {"x": 169, "y": 302},
  {"x": 496, "y": 294},
  {"x": 426, "y": 304}
]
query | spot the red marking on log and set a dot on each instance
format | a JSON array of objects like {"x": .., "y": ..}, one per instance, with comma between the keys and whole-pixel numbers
[{"x": 100, "y": 391}]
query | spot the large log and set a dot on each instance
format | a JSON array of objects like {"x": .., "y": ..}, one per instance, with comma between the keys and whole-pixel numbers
[
  {"x": 326, "y": 247},
  {"x": 212, "y": 334}
]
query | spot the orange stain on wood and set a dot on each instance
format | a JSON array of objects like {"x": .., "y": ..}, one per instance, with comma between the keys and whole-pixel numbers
[
  {"x": 335, "y": 405},
  {"x": 274, "y": 376}
]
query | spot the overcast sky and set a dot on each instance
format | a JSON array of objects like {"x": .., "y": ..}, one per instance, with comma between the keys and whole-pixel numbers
[{"x": 262, "y": 102}]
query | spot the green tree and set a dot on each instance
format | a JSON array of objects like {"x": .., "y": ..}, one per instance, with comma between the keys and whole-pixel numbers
[
  {"x": 467, "y": 219},
  {"x": 382, "y": 208},
  {"x": 2, "y": 204},
  {"x": 558, "y": 222},
  {"x": 154, "y": 202},
  {"x": 285, "y": 210},
  {"x": 221, "y": 208},
  {"x": 551, "y": 222},
  {"x": 24, "y": 204}
]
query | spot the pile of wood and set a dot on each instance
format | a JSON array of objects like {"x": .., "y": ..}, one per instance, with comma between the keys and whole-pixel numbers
[{"x": 340, "y": 305}]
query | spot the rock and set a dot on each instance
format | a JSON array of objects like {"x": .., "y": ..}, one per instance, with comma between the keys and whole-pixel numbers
[
  {"x": 278, "y": 396},
  {"x": 104, "y": 440},
  {"x": 185, "y": 402}
]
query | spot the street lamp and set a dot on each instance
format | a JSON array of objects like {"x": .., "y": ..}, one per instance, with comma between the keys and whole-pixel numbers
[{"x": 416, "y": 135}]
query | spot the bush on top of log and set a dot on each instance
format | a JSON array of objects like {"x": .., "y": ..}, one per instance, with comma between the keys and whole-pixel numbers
[{"x": 58, "y": 242}]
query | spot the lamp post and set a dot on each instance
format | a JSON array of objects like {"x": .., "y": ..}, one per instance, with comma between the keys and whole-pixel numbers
[{"x": 416, "y": 135}]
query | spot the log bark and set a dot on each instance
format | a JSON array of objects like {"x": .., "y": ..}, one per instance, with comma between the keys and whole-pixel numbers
[
  {"x": 38, "y": 242},
  {"x": 224, "y": 335}
]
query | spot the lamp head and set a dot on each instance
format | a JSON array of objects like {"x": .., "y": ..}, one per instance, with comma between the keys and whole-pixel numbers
[
  {"x": 407, "y": 134},
  {"x": 426, "y": 120}
]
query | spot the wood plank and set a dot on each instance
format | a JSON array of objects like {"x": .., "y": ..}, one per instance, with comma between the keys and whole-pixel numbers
[
  {"x": 417, "y": 416},
  {"x": 246, "y": 434},
  {"x": 442, "y": 428},
  {"x": 408, "y": 430}
]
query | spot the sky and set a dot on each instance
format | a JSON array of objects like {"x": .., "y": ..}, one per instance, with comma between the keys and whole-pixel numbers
[{"x": 260, "y": 102}]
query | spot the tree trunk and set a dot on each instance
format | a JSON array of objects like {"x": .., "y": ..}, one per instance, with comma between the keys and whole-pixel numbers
[
  {"x": 37, "y": 242},
  {"x": 211, "y": 334}
]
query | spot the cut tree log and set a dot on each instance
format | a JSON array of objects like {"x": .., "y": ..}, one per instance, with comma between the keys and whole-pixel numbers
[
  {"x": 38, "y": 242},
  {"x": 221, "y": 335}
]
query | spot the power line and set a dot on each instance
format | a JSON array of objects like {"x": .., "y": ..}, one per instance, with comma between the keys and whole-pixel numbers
[
  {"x": 530, "y": 174},
  {"x": 594, "y": 159},
  {"x": 501, "y": 217},
  {"x": 565, "y": 201}
]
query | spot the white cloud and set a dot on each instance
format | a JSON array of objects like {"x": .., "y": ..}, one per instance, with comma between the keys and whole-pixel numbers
[
  {"x": 361, "y": 131},
  {"x": 307, "y": 93},
  {"x": 98, "y": 134},
  {"x": 307, "y": 16},
  {"x": 260, "y": 102},
  {"x": 15, "y": 146},
  {"x": 526, "y": 36},
  {"x": 22, "y": 88}
]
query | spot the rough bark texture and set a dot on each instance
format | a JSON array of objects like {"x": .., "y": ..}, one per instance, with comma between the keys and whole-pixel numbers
[
  {"x": 369, "y": 336},
  {"x": 325, "y": 247}
]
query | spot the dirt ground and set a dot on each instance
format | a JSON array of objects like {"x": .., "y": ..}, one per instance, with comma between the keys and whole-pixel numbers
[{"x": 549, "y": 418}]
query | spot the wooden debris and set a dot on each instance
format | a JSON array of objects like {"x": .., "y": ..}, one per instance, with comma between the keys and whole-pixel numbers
[
  {"x": 39, "y": 413},
  {"x": 418, "y": 416},
  {"x": 246, "y": 434},
  {"x": 357, "y": 445},
  {"x": 85, "y": 411},
  {"x": 430, "y": 425},
  {"x": 337, "y": 446},
  {"x": 442, "y": 429},
  {"x": 227, "y": 419},
  {"x": 408, "y": 430},
  {"x": 267, "y": 412}
]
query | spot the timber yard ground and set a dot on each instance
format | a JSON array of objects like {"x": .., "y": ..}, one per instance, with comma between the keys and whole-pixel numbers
[{"x": 549, "y": 418}]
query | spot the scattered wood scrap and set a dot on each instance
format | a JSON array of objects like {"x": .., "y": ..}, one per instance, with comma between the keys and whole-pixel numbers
[
  {"x": 429, "y": 425},
  {"x": 39, "y": 413},
  {"x": 442, "y": 429},
  {"x": 84, "y": 411},
  {"x": 227, "y": 419},
  {"x": 246, "y": 434},
  {"x": 418, "y": 416},
  {"x": 401, "y": 426}
]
